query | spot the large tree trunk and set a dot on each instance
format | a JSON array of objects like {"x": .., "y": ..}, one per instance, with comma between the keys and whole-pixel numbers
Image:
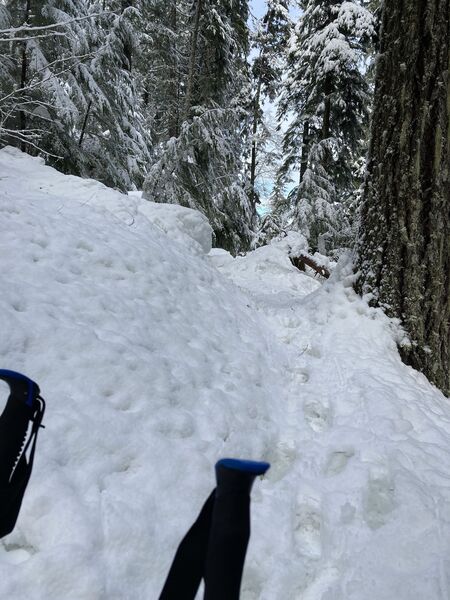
[{"x": 404, "y": 246}]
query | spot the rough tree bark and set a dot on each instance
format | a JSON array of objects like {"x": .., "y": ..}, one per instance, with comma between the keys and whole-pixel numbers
[{"x": 404, "y": 243}]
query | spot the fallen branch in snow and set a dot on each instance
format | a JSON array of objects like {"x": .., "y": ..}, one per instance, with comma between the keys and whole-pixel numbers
[{"x": 302, "y": 260}]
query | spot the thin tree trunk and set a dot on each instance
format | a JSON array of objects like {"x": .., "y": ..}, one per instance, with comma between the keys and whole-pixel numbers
[
  {"x": 326, "y": 109},
  {"x": 304, "y": 160},
  {"x": 404, "y": 245},
  {"x": 305, "y": 151},
  {"x": 254, "y": 144},
  {"x": 24, "y": 77},
  {"x": 192, "y": 57},
  {"x": 326, "y": 118},
  {"x": 83, "y": 129},
  {"x": 127, "y": 48},
  {"x": 174, "y": 119}
]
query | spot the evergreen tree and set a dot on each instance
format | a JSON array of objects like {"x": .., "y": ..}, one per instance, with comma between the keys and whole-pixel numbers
[
  {"x": 201, "y": 166},
  {"x": 328, "y": 95},
  {"x": 112, "y": 139},
  {"x": 19, "y": 98},
  {"x": 160, "y": 65},
  {"x": 270, "y": 42},
  {"x": 74, "y": 97},
  {"x": 404, "y": 245},
  {"x": 7, "y": 75},
  {"x": 201, "y": 169}
]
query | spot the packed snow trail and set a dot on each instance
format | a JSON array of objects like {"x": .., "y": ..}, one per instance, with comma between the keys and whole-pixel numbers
[
  {"x": 154, "y": 365},
  {"x": 365, "y": 458}
]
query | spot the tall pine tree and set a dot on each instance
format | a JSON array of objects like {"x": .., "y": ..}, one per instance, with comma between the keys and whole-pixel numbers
[
  {"x": 201, "y": 166},
  {"x": 270, "y": 40},
  {"x": 160, "y": 66},
  {"x": 73, "y": 97},
  {"x": 328, "y": 95}
]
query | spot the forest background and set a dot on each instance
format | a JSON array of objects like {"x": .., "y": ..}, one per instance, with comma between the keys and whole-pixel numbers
[
  {"x": 198, "y": 103},
  {"x": 205, "y": 103}
]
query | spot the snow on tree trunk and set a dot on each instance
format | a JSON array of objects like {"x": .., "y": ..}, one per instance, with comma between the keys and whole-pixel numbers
[{"x": 404, "y": 243}]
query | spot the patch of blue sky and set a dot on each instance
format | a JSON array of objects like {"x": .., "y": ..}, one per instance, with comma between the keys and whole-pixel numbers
[
  {"x": 257, "y": 8},
  {"x": 257, "y": 11}
]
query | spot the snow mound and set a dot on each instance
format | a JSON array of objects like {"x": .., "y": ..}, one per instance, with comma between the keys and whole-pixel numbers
[
  {"x": 178, "y": 222},
  {"x": 152, "y": 366},
  {"x": 267, "y": 272},
  {"x": 181, "y": 224}
]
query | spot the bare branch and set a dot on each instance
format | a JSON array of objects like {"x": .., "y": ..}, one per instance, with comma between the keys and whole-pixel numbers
[
  {"x": 62, "y": 24},
  {"x": 19, "y": 135}
]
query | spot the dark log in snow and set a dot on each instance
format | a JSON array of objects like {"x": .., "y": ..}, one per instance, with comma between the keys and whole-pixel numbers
[{"x": 302, "y": 261}]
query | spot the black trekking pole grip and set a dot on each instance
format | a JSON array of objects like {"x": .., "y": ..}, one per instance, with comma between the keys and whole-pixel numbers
[{"x": 20, "y": 422}]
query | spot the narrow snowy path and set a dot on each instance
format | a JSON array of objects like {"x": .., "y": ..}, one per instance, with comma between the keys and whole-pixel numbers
[{"x": 359, "y": 458}]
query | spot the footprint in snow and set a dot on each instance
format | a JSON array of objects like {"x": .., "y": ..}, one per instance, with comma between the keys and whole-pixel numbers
[
  {"x": 308, "y": 528},
  {"x": 252, "y": 585},
  {"x": 281, "y": 460},
  {"x": 300, "y": 374},
  {"x": 179, "y": 425},
  {"x": 379, "y": 498},
  {"x": 83, "y": 245},
  {"x": 15, "y": 554},
  {"x": 317, "y": 415},
  {"x": 338, "y": 460},
  {"x": 314, "y": 351}
]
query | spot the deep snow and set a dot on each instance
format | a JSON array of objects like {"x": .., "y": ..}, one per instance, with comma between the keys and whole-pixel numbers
[{"x": 156, "y": 359}]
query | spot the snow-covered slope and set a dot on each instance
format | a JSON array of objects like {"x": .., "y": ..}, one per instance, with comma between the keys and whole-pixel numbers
[
  {"x": 154, "y": 364},
  {"x": 361, "y": 484}
]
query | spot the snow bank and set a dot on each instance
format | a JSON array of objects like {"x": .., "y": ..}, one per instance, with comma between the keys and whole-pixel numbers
[
  {"x": 154, "y": 364},
  {"x": 359, "y": 493},
  {"x": 181, "y": 224},
  {"x": 178, "y": 222}
]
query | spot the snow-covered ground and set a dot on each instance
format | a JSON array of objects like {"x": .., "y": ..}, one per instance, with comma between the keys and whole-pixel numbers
[{"x": 156, "y": 358}]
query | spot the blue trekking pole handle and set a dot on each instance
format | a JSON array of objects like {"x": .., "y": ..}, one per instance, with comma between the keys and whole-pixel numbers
[{"x": 21, "y": 386}]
